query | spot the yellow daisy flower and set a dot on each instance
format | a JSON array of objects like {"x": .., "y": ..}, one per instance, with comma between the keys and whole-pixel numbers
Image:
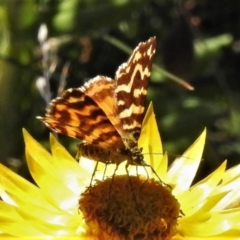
[{"x": 62, "y": 204}]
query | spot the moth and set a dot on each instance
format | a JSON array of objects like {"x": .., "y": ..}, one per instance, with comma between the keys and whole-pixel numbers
[{"x": 107, "y": 113}]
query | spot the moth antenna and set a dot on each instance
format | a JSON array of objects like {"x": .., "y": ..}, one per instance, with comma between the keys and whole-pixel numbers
[{"x": 174, "y": 155}]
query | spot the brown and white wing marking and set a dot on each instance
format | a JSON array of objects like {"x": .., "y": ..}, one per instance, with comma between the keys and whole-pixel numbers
[
  {"x": 131, "y": 90},
  {"x": 101, "y": 89},
  {"x": 76, "y": 115}
]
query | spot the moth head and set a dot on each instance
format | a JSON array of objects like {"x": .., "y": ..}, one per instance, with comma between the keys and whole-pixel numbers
[{"x": 137, "y": 158}]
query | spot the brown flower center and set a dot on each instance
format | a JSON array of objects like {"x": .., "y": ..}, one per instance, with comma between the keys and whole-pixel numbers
[{"x": 130, "y": 207}]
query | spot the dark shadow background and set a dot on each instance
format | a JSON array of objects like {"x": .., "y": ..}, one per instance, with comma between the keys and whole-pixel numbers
[{"x": 197, "y": 41}]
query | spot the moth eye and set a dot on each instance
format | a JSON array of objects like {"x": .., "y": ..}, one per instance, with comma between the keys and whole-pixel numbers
[{"x": 136, "y": 135}]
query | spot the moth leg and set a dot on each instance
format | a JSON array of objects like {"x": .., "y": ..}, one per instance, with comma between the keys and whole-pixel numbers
[
  {"x": 110, "y": 187},
  {"x": 131, "y": 186},
  {"x": 93, "y": 174},
  {"x": 104, "y": 172},
  {"x": 155, "y": 173},
  {"x": 147, "y": 176}
]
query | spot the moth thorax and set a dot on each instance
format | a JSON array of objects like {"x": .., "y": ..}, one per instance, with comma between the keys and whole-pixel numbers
[
  {"x": 99, "y": 154},
  {"x": 130, "y": 142}
]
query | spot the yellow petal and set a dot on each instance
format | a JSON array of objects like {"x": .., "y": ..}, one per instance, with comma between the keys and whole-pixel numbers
[
  {"x": 162, "y": 168},
  {"x": 194, "y": 198},
  {"x": 150, "y": 138},
  {"x": 73, "y": 175},
  {"x": 217, "y": 224},
  {"x": 8, "y": 213},
  {"x": 183, "y": 170},
  {"x": 230, "y": 198},
  {"x": 231, "y": 174},
  {"x": 46, "y": 174},
  {"x": 20, "y": 229},
  {"x": 151, "y": 142},
  {"x": 18, "y": 187}
]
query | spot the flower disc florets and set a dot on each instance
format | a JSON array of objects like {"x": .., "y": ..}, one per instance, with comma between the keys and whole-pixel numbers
[{"x": 130, "y": 207}]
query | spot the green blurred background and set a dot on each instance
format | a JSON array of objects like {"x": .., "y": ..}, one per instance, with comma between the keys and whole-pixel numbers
[{"x": 198, "y": 41}]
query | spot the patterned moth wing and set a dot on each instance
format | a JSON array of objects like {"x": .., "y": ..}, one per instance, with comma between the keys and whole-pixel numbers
[
  {"x": 127, "y": 98},
  {"x": 76, "y": 115},
  {"x": 107, "y": 114},
  {"x": 101, "y": 89},
  {"x": 132, "y": 82}
]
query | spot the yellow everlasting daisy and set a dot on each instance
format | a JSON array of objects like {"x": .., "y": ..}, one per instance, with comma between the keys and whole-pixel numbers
[{"x": 62, "y": 204}]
